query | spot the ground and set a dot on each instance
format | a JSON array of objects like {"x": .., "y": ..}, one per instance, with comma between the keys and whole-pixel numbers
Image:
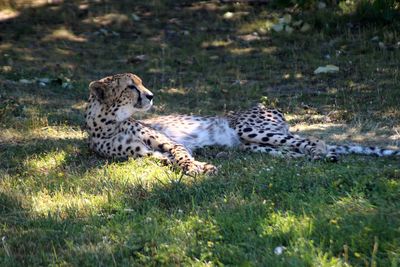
[{"x": 62, "y": 205}]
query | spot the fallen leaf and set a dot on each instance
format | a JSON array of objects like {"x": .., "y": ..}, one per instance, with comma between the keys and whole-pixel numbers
[
  {"x": 67, "y": 85},
  {"x": 288, "y": 29},
  {"x": 228, "y": 15},
  {"x": 375, "y": 39},
  {"x": 286, "y": 19},
  {"x": 305, "y": 27},
  {"x": 326, "y": 69},
  {"x": 43, "y": 80},
  {"x": 277, "y": 27},
  {"x": 321, "y": 5},
  {"x": 279, "y": 250},
  {"x": 25, "y": 81},
  {"x": 135, "y": 17},
  {"x": 297, "y": 23}
]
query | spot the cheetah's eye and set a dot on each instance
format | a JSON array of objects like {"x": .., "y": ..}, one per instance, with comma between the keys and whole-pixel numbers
[{"x": 131, "y": 86}]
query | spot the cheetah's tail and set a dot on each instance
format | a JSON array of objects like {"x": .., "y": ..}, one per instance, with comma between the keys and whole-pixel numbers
[{"x": 363, "y": 150}]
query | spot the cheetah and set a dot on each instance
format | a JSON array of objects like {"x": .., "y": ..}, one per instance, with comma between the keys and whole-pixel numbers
[{"x": 113, "y": 132}]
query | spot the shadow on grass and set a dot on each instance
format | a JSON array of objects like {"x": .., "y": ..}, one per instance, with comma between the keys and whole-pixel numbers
[
  {"x": 243, "y": 218},
  {"x": 16, "y": 155},
  {"x": 32, "y": 240},
  {"x": 85, "y": 41},
  {"x": 235, "y": 218},
  {"x": 326, "y": 210}
]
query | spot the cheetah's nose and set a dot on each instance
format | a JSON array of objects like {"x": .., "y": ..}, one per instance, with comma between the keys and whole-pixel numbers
[{"x": 149, "y": 97}]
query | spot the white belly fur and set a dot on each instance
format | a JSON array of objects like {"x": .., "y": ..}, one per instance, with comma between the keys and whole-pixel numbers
[{"x": 195, "y": 132}]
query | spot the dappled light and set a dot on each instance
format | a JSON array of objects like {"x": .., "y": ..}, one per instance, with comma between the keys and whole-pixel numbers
[
  {"x": 63, "y": 34},
  {"x": 111, "y": 18},
  {"x": 344, "y": 134},
  {"x": 7, "y": 14},
  {"x": 62, "y": 204},
  {"x": 46, "y": 164},
  {"x": 280, "y": 225}
]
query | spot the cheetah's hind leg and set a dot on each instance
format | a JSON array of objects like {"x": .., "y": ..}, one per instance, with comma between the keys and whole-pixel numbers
[
  {"x": 272, "y": 150},
  {"x": 273, "y": 142}
]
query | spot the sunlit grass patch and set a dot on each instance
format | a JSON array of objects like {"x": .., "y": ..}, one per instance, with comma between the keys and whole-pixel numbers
[
  {"x": 8, "y": 13},
  {"x": 13, "y": 135},
  {"x": 110, "y": 18},
  {"x": 279, "y": 225},
  {"x": 262, "y": 26},
  {"x": 67, "y": 204},
  {"x": 46, "y": 163},
  {"x": 63, "y": 34}
]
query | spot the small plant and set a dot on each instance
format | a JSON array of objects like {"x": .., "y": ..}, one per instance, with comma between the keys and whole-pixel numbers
[{"x": 377, "y": 10}]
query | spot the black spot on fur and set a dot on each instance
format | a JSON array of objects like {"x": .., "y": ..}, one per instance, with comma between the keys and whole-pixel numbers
[
  {"x": 247, "y": 130},
  {"x": 252, "y": 135},
  {"x": 265, "y": 139}
]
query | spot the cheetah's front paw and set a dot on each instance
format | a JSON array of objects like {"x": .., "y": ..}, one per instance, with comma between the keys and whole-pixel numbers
[
  {"x": 196, "y": 167},
  {"x": 208, "y": 168}
]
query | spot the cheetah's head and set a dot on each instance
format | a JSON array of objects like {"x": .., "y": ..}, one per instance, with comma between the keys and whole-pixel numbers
[{"x": 122, "y": 95}]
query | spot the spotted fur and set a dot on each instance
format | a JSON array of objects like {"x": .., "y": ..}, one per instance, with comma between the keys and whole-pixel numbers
[{"x": 114, "y": 133}]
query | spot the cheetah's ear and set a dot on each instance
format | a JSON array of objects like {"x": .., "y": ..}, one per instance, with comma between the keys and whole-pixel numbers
[{"x": 98, "y": 89}]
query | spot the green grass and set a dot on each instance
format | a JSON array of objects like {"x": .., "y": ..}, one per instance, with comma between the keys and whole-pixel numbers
[{"x": 62, "y": 205}]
